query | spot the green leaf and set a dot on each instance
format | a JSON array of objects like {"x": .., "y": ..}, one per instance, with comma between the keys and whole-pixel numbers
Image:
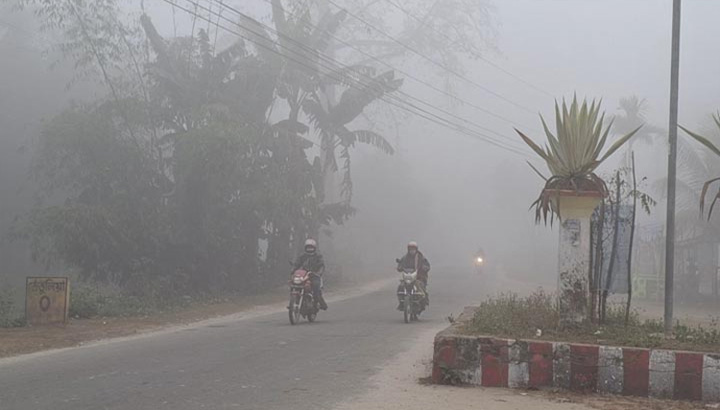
[
  {"x": 536, "y": 170},
  {"x": 532, "y": 145},
  {"x": 614, "y": 147},
  {"x": 703, "y": 140}
]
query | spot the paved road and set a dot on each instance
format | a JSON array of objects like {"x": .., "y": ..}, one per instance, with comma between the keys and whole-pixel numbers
[{"x": 260, "y": 362}]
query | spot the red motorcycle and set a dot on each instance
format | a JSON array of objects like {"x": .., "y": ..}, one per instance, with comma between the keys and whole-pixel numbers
[{"x": 302, "y": 301}]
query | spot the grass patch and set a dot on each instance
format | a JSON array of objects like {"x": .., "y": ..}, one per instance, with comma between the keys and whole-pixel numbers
[
  {"x": 536, "y": 317},
  {"x": 88, "y": 301}
]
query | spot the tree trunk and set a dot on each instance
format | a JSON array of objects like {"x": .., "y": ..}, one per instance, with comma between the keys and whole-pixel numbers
[
  {"x": 597, "y": 265},
  {"x": 632, "y": 238},
  {"x": 613, "y": 251}
]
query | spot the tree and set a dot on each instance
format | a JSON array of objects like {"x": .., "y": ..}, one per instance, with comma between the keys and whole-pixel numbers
[
  {"x": 607, "y": 220},
  {"x": 174, "y": 182},
  {"x": 702, "y": 168}
]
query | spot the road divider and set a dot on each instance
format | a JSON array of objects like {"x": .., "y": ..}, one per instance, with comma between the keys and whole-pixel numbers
[{"x": 528, "y": 364}]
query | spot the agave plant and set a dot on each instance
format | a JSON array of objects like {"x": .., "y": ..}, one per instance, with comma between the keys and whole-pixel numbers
[
  {"x": 573, "y": 155},
  {"x": 706, "y": 186}
]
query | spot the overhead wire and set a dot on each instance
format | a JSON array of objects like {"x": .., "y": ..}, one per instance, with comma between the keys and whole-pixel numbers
[
  {"x": 332, "y": 61},
  {"x": 422, "y": 113},
  {"x": 432, "y": 61},
  {"x": 399, "y": 70},
  {"x": 471, "y": 52},
  {"x": 414, "y": 109},
  {"x": 344, "y": 66}
]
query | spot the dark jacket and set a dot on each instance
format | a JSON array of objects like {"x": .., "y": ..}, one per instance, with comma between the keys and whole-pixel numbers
[
  {"x": 311, "y": 262},
  {"x": 418, "y": 262}
]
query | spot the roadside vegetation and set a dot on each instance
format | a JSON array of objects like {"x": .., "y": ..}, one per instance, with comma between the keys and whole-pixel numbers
[
  {"x": 536, "y": 317},
  {"x": 205, "y": 158},
  {"x": 11, "y": 315}
]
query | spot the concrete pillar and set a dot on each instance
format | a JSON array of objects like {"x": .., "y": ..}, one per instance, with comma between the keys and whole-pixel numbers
[{"x": 576, "y": 209}]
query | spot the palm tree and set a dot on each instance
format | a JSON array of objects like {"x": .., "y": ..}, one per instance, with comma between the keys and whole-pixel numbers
[
  {"x": 703, "y": 169},
  {"x": 633, "y": 115}
]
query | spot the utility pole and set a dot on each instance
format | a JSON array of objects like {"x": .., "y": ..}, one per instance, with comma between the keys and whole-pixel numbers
[{"x": 672, "y": 169}]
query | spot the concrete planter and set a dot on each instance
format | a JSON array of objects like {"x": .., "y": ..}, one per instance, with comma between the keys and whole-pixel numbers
[
  {"x": 576, "y": 209},
  {"x": 496, "y": 362}
]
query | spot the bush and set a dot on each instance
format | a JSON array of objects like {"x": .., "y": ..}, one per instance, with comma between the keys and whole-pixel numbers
[
  {"x": 120, "y": 305},
  {"x": 9, "y": 313},
  {"x": 88, "y": 302},
  {"x": 85, "y": 302}
]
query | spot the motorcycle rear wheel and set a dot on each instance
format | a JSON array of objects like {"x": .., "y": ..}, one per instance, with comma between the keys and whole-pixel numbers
[{"x": 312, "y": 309}]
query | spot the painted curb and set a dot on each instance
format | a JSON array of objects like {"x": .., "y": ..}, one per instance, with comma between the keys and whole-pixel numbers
[{"x": 496, "y": 362}]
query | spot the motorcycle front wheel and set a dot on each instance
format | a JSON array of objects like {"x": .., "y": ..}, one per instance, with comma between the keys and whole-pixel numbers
[
  {"x": 406, "y": 312},
  {"x": 294, "y": 311}
]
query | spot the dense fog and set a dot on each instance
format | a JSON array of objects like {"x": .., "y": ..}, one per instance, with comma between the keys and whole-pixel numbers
[{"x": 493, "y": 66}]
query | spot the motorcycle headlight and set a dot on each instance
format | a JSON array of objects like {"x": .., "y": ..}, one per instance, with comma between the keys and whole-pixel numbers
[
  {"x": 479, "y": 260},
  {"x": 297, "y": 280}
]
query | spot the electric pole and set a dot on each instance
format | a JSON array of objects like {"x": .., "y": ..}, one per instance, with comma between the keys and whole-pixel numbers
[{"x": 672, "y": 169}]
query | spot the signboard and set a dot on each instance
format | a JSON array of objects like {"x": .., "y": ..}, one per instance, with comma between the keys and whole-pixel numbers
[{"x": 47, "y": 300}]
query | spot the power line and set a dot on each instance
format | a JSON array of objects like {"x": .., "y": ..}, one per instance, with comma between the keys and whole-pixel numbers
[
  {"x": 332, "y": 61},
  {"x": 423, "y": 113},
  {"x": 471, "y": 52},
  {"x": 444, "y": 67},
  {"x": 401, "y": 71},
  {"x": 335, "y": 62}
]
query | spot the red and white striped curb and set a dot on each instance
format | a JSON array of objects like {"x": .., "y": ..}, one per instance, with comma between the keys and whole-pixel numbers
[{"x": 495, "y": 362}]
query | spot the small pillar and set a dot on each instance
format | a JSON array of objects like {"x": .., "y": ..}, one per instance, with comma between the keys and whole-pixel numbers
[{"x": 576, "y": 209}]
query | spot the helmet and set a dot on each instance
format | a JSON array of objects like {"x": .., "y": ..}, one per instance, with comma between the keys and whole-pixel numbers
[
  {"x": 412, "y": 244},
  {"x": 310, "y": 245}
]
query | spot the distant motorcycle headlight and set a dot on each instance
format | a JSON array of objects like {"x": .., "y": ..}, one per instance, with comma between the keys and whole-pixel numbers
[{"x": 479, "y": 260}]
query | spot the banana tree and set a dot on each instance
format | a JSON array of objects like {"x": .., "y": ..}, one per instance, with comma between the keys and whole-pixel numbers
[{"x": 572, "y": 155}]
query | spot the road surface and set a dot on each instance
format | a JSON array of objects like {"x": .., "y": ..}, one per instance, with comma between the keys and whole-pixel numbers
[{"x": 258, "y": 362}]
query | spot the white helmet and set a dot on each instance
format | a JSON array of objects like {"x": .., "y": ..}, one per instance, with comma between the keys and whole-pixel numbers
[
  {"x": 310, "y": 246},
  {"x": 412, "y": 244}
]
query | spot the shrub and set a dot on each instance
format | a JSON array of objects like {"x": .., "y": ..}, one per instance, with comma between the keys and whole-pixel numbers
[
  {"x": 9, "y": 312},
  {"x": 85, "y": 302},
  {"x": 88, "y": 302}
]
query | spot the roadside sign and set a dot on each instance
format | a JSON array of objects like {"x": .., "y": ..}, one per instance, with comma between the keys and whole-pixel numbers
[{"x": 47, "y": 300}]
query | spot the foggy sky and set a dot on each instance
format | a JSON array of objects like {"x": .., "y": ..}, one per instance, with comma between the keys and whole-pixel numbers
[{"x": 474, "y": 194}]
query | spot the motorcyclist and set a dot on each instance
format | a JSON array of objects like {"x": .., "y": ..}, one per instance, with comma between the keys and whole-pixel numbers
[
  {"x": 312, "y": 261},
  {"x": 414, "y": 259},
  {"x": 480, "y": 255}
]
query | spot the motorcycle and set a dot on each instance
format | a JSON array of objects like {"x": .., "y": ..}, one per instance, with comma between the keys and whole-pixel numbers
[
  {"x": 412, "y": 296},
  {"x": 302, "y": 301},
  {"x": 479, "y": 264}
]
